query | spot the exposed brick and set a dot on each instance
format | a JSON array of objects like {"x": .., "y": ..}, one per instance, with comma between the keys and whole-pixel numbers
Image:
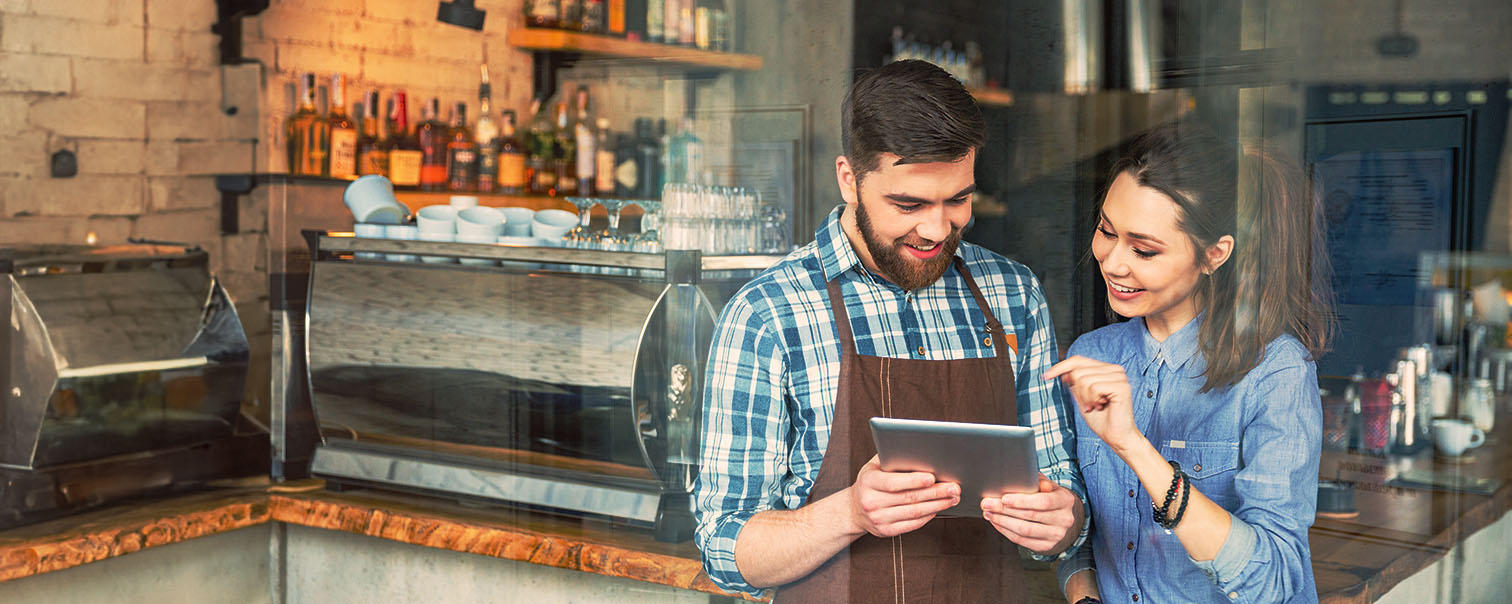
[
  {"x": 448, "y": 43},
  {"x": 199, "y": 50},
  {"x": 186, "y": 120},
  {"x": 13, "y": 109},
  {"x": 323, "y": 60},
  {"x": 31, "y": 73},
  {"x": 403, "y": 11},
  {"x": 327, "y": 7},
  {"x": 181, "y": 193},
  {"x": 64, "y": 229},
  {"x": 25, "y": 152},
  {"x": 189, "y": 15},
  {"x": 215, "y": 157},
  {"x": 393, "y": 38},
  {"x": 391, "y": 70},
  {"x": 245, "y": 252},
  {"x": 77, "y": 196},
  {"x": 54, "y": 36},
  {"x": 252, "y": 212},
  {"x": 127, "y": 12},
  {"x": 162, "y": 158},
  {"x": 140, "y": 81},
  {"x": 279, "y": 24},
  {"x": 95, "y": 118},
  {"x": 111, "y": 156},
  {"x": 197, "y": 227},
  {"x": 241, "y": 88}
]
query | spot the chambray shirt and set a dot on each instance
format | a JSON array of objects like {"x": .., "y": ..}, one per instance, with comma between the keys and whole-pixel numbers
[
  {"x": 769, "y": 395},
  {"x": 1253, "y": 448}
]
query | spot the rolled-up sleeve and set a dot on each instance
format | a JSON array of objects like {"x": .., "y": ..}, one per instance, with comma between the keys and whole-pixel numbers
[
  {"x": 741, "y": 452},
  {"x": 1265, "y": 556},
  {"x": 1045, "y": 405}
]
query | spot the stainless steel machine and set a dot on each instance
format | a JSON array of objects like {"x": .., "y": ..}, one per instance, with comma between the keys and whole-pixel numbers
[
  {"x": 124, "y": 371},
  {"x": 562, "y": 379}
]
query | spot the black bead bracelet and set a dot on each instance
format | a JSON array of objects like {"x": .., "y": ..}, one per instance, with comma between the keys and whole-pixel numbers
[{"x": 1159, "y": 512}]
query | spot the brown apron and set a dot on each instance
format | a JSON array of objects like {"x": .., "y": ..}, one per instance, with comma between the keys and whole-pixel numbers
[{"x": 948, "y": 559}]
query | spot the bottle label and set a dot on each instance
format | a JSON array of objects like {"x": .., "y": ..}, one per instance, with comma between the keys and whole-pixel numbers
[
  {"x": 627, "y": 174},
  {"x": 404, "y": 167},
  {"x": 655, "y": 15},
  {"x": 488, "y": 169},
  {"x": 603, "y": 173},
  {"x": 544, "y": 10},
  {"x": 373, "y": 161},
  {"x": 343, "y": 153},
  {"x": 616, "y": 16},
  {"x": 461, "y": 168},
  {"x": 585, "y": 151},
  {"x": 512, "y": 170}
]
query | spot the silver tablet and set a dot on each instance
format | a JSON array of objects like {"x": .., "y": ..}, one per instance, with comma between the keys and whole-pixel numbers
[{"x": 987, "y": 460}]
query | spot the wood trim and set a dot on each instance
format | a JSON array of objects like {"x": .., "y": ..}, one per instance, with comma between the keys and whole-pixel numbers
[{"x": 561, "y": 40}]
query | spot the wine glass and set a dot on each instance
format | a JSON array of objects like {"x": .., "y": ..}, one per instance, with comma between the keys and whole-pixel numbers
[
  {"x": 611, "y": 238},
  {"x": 648, "y": 239},
  {"x": 581, "y": 236}
]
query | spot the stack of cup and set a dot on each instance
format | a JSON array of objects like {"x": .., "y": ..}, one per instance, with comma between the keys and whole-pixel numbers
[
  {"x": 437, "y": 223},
  {"x": 369, "y": 230},
  {"x": 403, "y": 232},
  {"x": 479, "y": 225}
]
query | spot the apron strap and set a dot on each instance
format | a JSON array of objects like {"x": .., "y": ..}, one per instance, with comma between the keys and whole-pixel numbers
[
  {"x": 999, "y": 335},
  {"x": 842, "y": 319}
]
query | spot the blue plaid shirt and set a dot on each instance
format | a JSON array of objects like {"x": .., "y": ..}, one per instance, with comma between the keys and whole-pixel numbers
[{"x": 769, "y": 396}]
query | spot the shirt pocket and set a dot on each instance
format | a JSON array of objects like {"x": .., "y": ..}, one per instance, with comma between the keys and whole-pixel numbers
[{"x": 1210, "y": 465}]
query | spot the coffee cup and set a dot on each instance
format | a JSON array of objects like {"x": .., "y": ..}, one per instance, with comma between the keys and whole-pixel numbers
[
  {"x": 483, "y": 238},
  {"x": 402, "y": 232},
  {"x": 462, "y": 202},
  {"x": 480, "y": 221},
  {"x": 517, "y": 221},
  {"x": 1453, "y": 436},
  {"x": 551, "y": 225},
  {"x": 442, "y": 237},
  {"x": 437, "y": 219},
  {"x": 371, "y": 200}
]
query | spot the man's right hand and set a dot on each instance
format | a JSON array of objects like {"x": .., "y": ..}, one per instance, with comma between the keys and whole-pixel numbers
[{"x": 888, "y": 504}]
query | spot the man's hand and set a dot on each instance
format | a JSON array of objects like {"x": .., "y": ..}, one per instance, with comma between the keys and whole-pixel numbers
[
  {"x": 1044, "y": 522},
  {"x": 887, "y": 504}
]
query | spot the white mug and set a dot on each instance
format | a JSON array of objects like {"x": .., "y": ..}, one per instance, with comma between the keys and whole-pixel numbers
[
  {"x": 437, "y": 219},
  {"x": 517, "y": 221},
  {"x": 551, "y": 225},
  {"x": 368, "y": 231},
  {"x": 477, "y": 238},
  {"x": 438, "y": 237},
  {"x": 371, "y": 199},
  {"x": 480, "y": 221},
  {"x": 1454, "y": 436}
]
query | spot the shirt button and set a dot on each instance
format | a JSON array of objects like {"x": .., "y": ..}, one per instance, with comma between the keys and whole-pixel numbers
[
  {"x": 987, "y": 341},
  {"x": 1136, "y": 597},
  {"x": 1233, "y": 595},
  {"x": 1197, "y": 468},
  {"x": 1130, "y": 546},
  {"x": 1149, "y": 394},
  {"x": 921, "y": 351},
  {"x": 1131, "y": 492}
]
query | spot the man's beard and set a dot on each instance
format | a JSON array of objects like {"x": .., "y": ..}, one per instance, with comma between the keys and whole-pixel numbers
[{"x": 907, "y": 272}]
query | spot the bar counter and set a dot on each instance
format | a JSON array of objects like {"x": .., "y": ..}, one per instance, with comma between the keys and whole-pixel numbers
[{"x": 1355, "y": 560}]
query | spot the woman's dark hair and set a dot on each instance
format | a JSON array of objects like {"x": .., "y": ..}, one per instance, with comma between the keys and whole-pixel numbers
[
  {"x": 1277, "y": 280},
  {"x": 911, "y": 109}
]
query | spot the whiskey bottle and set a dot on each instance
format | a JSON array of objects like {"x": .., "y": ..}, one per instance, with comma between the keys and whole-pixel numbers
[
  {"x": 595, "y": 17},
  {"x": 581, "y": 127},
  {"x": 431, "y": 133},
  {"x": 486, "y": 135},
  {"x": 614, "y": 19},
  {"x": 404, "y": 155},
  {"x": 461, "y": 153},
  {"x": 343, "y": 133},
  {"x": 542, "y": 13},
  {"x": 566, "y": 154},
  {"x": 603, "y": 160},
  {"x": 512, "y": 174},
  {"x": 307, "y": 133},
  {"x": 541, "y": 162},
  {"x": 656, "y": 20},
  {"x": 371, "y": 157},
  {"x": 571, "y": 15}
]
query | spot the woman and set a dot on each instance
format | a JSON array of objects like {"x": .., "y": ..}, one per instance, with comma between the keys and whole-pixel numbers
[{"x": 1200, "y": 425}]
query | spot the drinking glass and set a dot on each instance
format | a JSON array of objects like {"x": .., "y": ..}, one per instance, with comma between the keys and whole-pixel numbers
[{"x": 581, "y": 236}]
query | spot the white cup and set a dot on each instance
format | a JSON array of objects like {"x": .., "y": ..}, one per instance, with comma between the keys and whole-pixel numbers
[
  {"x": 402, "y": 232},
  {"x": 371, "y": 199},
  {"x": 440, "y": 237},
  {"x": 437, "y": 219},
  {"x": 482, "y": 238},
  {"x": 551, "y": 225},
  {"x": 517, "y": 221},
  {"x": 368, "y": 231},
  {"x": 1454, "y": 436},
  {"x": 1440, "y": 392},
  {"x": 483, "y": 221},
  {"x": 462, "y": 202}
]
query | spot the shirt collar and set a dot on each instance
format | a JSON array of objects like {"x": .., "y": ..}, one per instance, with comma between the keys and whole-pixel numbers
[
  {"x": 835, "y": 252},
  {"x": 1179, "y": 350}
]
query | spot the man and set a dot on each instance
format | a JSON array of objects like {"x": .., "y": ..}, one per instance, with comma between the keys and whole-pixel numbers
[{"x": 886, "y": 313}]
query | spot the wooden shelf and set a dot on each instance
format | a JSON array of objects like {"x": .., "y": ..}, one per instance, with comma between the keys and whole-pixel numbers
[
  {"x": 533, "y": 38},
  {"x": 995, "y": 97}
]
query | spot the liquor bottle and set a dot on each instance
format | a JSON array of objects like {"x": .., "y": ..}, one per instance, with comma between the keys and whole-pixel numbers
[
  {"x": 566, "y": 153},
  {"x": 343, "y": 133},
  {"x": 685, "y": 24},
  {"x": 662, "y": 141},
  {"x": 684, "y": 155},
  {"x": 486, "y": 134},
  {"x": 614, "y": 17},
  {"x": 635, "y": 20},
  {"x": 512, "y": 174},
  {"x": 671, "y": 21},
  {"x": 603, "y": 160},
  {"x": 542, "y": 13},
  {"x": 371, "y": 158},
  {"x": 461, "y": 153},
  {"x": 540, "y": 164},
  {"x": 581, "y": 127},
  {"x": 404, "y": 154},
  {"x": 570, "y": 15},
  {"x": 595, "y": 17},
  {"x": 307, "y": 134},
  {"x": 648, "y": 160},
  {"x": 626, "y": 164},
  {"x": 656, "y": 20},
  {"x": 432, "y": 135}
]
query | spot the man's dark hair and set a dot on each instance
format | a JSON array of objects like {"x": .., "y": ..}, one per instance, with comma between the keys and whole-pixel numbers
[{"x": 911, "y": 109}]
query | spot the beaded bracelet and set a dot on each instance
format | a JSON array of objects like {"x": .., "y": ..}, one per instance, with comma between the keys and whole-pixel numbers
[
  {"x": 1159, "y": 513},
  {"x": 1186, "y": 495}
]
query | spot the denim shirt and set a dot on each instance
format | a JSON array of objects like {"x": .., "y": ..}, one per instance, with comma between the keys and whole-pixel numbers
[{"x": 1253, "y": 448}]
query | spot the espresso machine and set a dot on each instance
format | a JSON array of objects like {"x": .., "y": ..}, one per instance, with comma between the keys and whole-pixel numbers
[
  {"x": 124, "y": 368},
  {"x": 566, "y": 380}
]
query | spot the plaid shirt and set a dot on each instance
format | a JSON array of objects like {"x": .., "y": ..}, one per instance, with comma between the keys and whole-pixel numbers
[{"x": 769, "y": 395}]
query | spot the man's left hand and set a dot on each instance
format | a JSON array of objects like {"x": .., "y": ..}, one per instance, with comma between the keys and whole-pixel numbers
[{"x": 1045, "y": 522}]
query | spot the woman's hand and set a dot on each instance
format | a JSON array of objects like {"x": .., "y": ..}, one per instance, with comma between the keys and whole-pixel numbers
[{"x": 1102, "y": 394}]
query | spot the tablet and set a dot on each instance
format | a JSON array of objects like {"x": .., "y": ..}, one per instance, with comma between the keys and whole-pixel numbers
[{"x": 987, "y": 460}]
